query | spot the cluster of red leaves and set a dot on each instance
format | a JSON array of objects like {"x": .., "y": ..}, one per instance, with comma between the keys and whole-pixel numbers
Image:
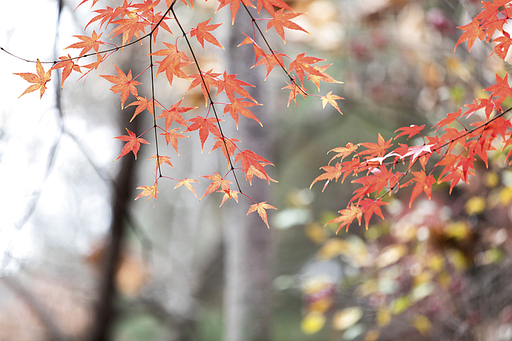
[
  {"x": 381, "y": 168},
  {"x": 135, "y": 21}
]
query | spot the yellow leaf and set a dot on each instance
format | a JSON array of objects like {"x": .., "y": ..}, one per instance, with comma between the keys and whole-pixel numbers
[
  {"x": 458, "y": 230},
  {"x": 390, "y": 255},
  {"x": 383, "y": 317},
  {"x": 332, "y": 248},
  {"x": 312, "y": 323},
  {"x": 316, "y": 233}
]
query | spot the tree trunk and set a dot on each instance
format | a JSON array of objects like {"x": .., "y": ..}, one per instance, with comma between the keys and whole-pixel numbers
[{"x": 247, "y": 240}]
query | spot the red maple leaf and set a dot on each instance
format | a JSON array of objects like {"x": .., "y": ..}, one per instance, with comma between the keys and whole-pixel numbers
[
  {"x": 160, "y": 160},
  {"x": 39, "y": 80},
  {"x": 280, "y": 20},
  {"x": 472, "y": 31},
  {"x": 303, "y": 64},
  {"x": 229, "y": 144},
  {"x": 249, "y": 158},
  {"x": 68, "y": 66},
  {"x": 132, "y": 144},
  {"x": 124, "y": 84},
  {"x": 216, "y": 182},
  {"x": 347, "y": 216},
  {"x": 202, "y": 33},
  {"x": 230, "y": 85},
  {"x": 261, "y": 209},
  {"x": 142, "y": 104},
  {"x": 172, "y": 137},
  {"x": 205, "y": 126},
  {"x": 234, "y": 5},
  {"x": 410, "y": 131},
  {"x": 238, "y": 106},
  {"x": 343, "y": 151},
  {"x": 370, "y": 206},
  {"x": 173, "y": 114},
  {"x": 172, "y": 63},
  {"x": 376, "y": 149},
  {"x": 501, "y": 89},
  {"x": 210, "y": 79},
  {"x": 188, "y": 184},
  {"x": 451, "y": 117},
  {"x": 423, "y": 184},
  {"x": 87, "y": 43}
]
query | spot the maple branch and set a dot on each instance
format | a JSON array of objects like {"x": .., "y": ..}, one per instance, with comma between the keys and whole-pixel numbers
[
  {"x": 254, "y": 23},
  {"x": 209, "y": 97},
  {"x": 153, "y": 100}
]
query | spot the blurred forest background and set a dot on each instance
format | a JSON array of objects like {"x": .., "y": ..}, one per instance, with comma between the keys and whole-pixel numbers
[{"x": 80, "y": 260}]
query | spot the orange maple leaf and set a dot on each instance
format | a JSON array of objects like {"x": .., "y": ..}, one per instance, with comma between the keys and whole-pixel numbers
[
  {"x": 261, "y": 209},
  {"x": 280, "y": 20},
  {"x": 87, "y": 43},
  {"x": 132, "y": 144},
  {"x": 229, "y": 144},
  {"x": 228, "y": 194},
  {"x": 142, "y": 104},
  {"x": 68, "y": 65},
  {"x": 472, "y": 31},
  {"x": 231, "y": 85},
  {"x": 216, "y": 182},
  {"x": 124, "y": 84},
  {"x": 201, "y": 32},
  {"x": 347, "y": 216},
  {"x": 39, "y": 80},
  {"x": 187, "y": 183},
  {"x": 148, "y": 191},
  {"x": 172, "y": 63},
  {"x": 294, "y": 90},
  {"x": 238, "y": 106},
  {"x": 172, "y": 137},
  {"x": 205, "y": 126},
  {"x": 174, "y": 115},
  {"x": 234, "y": 5},
  {"x": 210, "y": 78},
  {"x": 331, "y": 99},
  {"x": 129, "y": 27},
  {"x": 423, "y": 184},
  {"x": 343, "y": 151},
  {"x": 160, "y": 160}
]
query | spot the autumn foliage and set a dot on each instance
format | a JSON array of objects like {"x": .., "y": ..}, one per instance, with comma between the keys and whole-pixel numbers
[
  {"x": 461, "y": 139},
  {"x": 379, "y": 168},
  {"x": 155, "y": 24}
]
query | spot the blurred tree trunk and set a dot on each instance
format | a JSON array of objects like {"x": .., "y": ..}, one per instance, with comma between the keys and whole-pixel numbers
[
  {"x": 247, "y": 240},
  {"x": 122, "y": 187}
]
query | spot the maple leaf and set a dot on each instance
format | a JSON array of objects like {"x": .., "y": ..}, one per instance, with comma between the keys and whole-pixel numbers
[
  {"x": 343, "y": 151},
  {"x": 295, "y": 89},
  {"x": 280, "y": 20},
  {"x": 331, "y": 99},
  {"x": 228, "y": 194},
  {"x": 40, "y": 79},
  {"x": 230, "y": 85},
  {"x": 160, "y": 160},
  {"x": 376, "y": 149},
  {"x": 228, "y": 143},
  {"x": 331, "y": 172},
  {"x": 269, "y": 5},
  {"x": 124, "y": 84},
  {"x": 129, "y": 27},
  {"x": 84, "y": 1},
  {"x": 410, "y": 131},
  {"x": 132, "y": 144},
  {"x": 261, "y": 209},
  {"x": 87, "y": 43},
  {"x": 142, "y": 104},
  {"x": 451, "y": 117},
  {"x": 172, "y": 63},
  {"x": 324, "y": 77},
  {"x": 501, "y": 89},
  {"x": 202, "y": 33},
  {"x": 172, "y": 137},
  {"x": 210, "y": 78},
  {"x": 234, "y": 5},
  {"x": 148, "y": 191},
  {"x": 174, "y": 115},
  {"x": 303, "y": 64},
  {"x": 238, "y": 106},
  {"x": 347, "y": 216},
  {"x": 249, "y": 158},
  {"x": 253, "y": 171},
  {"x": 370, "y": 206},
  {"x": 216, "y": 182},
  {"x": 205, "y": 126},
  {"x": 93, "y": 66},
  {"x": 504, "y": 42},
  {"x": 188, "y": 184},
  {"x": 106, "y": 15},
  {"x": 417, "y": 151},
  {"x": 423, "y": 184},
  {"x": 68, "y": 66},
  {"x": 472, "y": 31}
]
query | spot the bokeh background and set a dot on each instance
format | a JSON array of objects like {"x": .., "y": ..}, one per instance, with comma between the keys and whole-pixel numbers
[{"x": 81, "y": 260}]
